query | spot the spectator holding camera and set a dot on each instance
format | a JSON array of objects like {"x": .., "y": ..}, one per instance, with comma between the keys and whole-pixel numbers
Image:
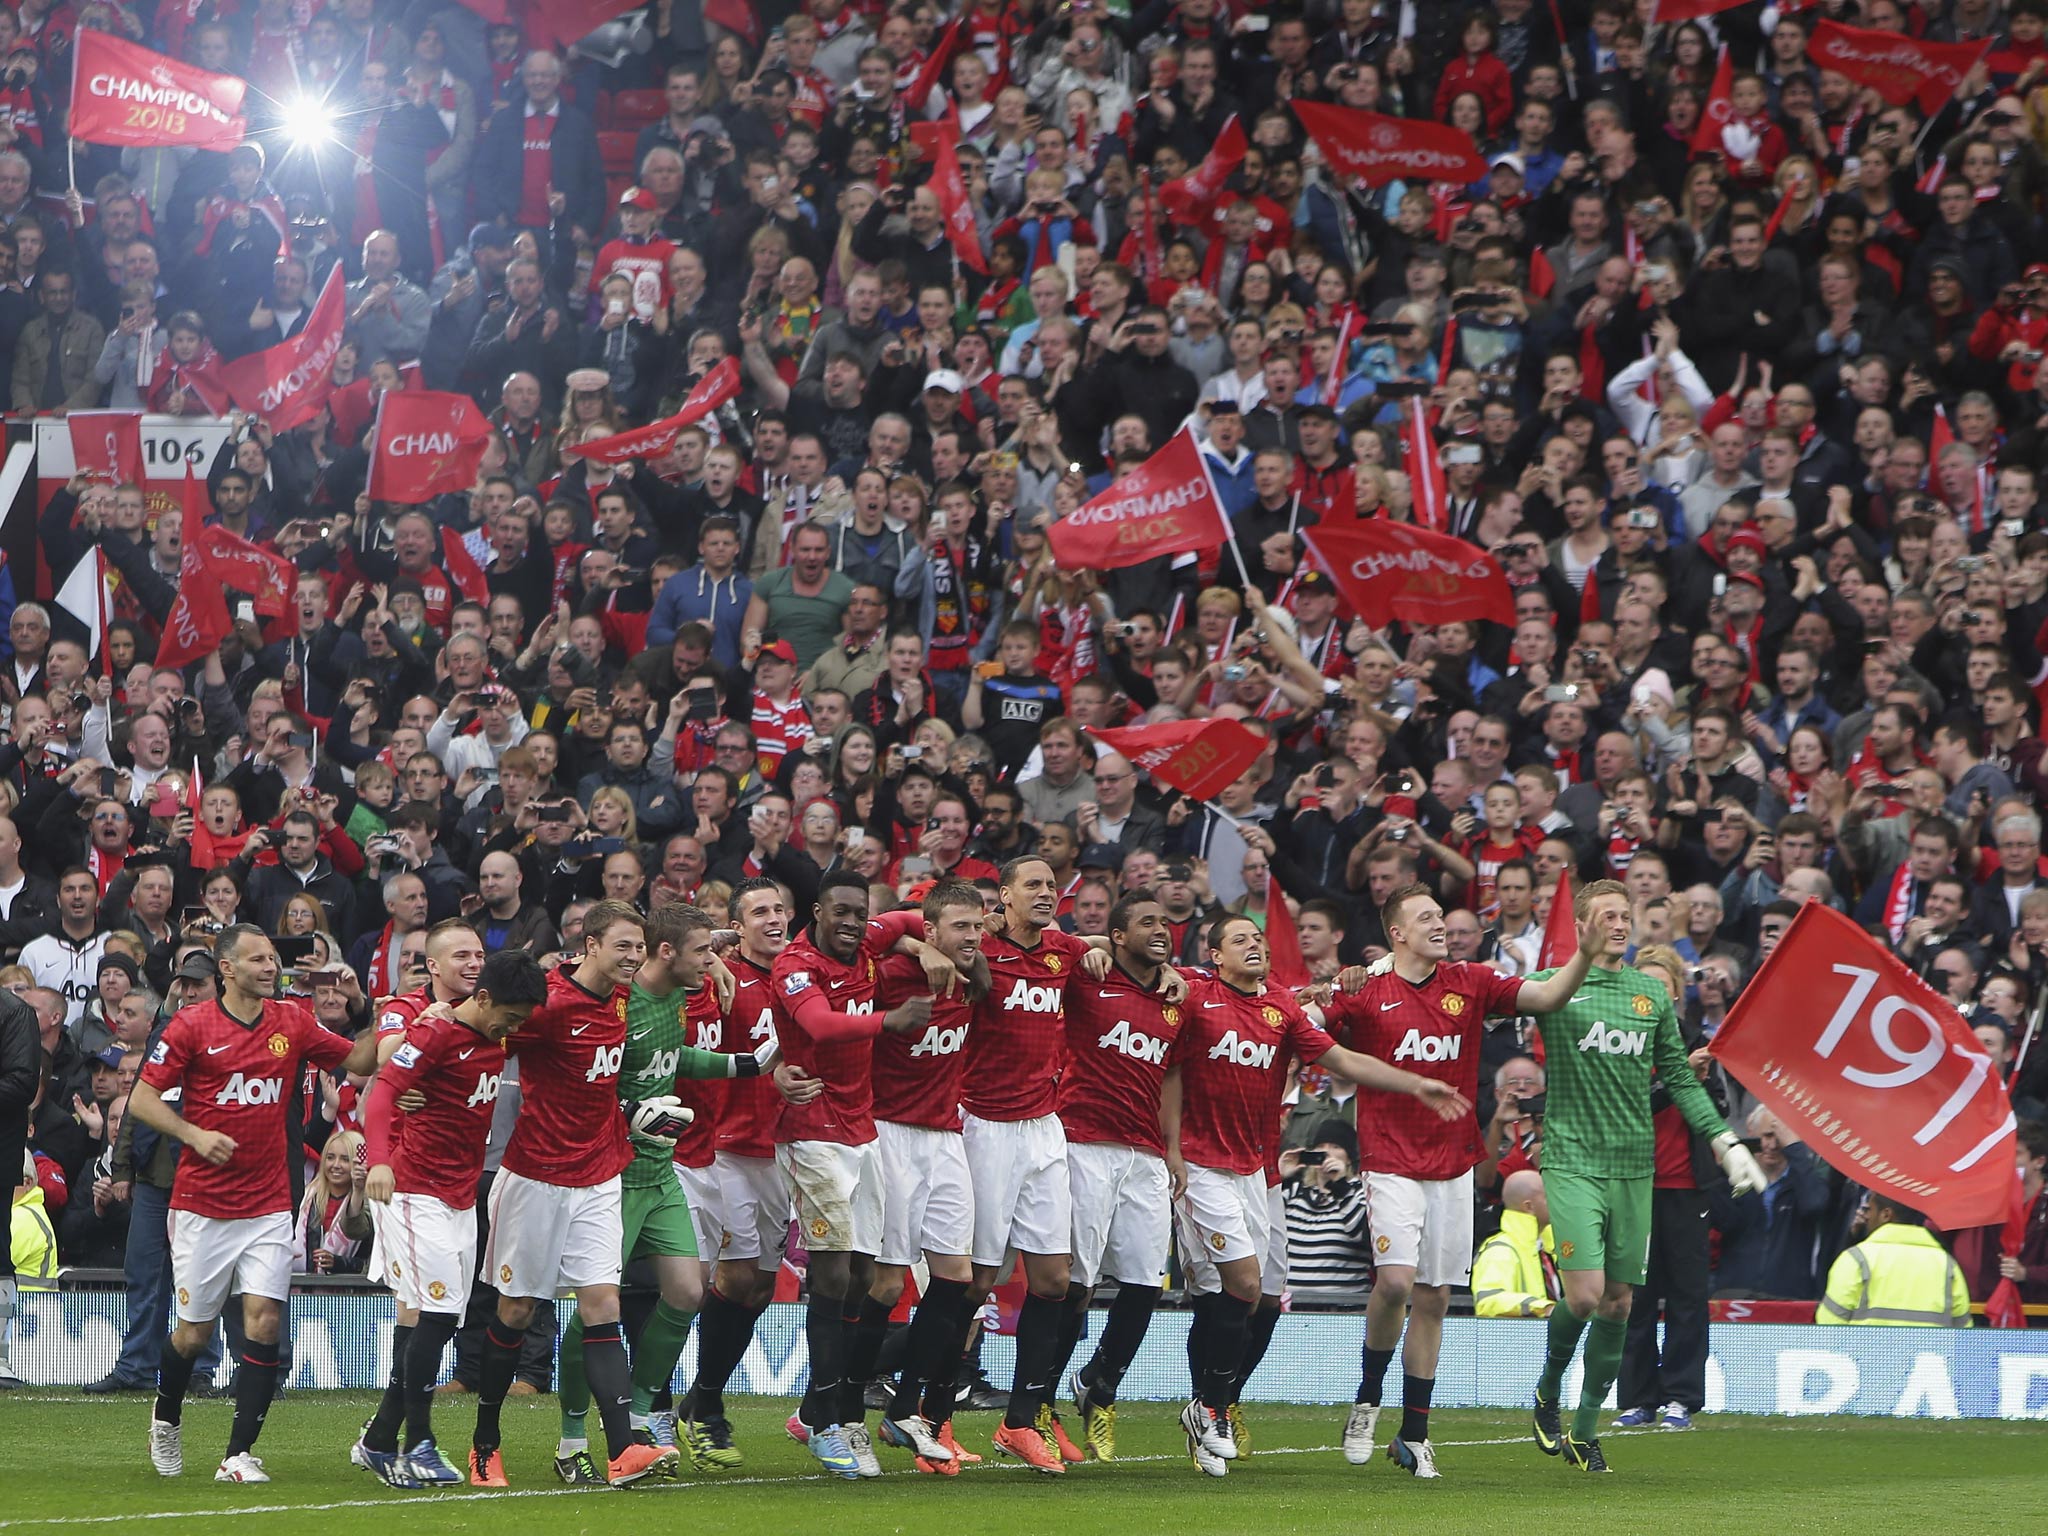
[{"x": 1329, "y": 1248}]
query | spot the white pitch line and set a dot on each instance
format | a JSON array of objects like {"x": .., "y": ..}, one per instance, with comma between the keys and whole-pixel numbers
[{"x": 694, "y": 1485}]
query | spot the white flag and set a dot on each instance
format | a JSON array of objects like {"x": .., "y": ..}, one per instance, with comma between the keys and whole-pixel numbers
[{"x": 86, "y": 595}]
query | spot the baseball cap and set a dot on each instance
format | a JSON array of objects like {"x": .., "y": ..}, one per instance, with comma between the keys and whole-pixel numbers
[
  {"x": 1223, "y": 408},
  {"x": 1101, "y": 856},
  {"x": 197, "y": 966},
  {"x": 1512, "y": 162},
  {"x": 946, "y": 379},
  {"x": 638, "y": 197},
  {"x": 1313, "y": 581},
  {"x": 111, "y": 1057},
  {"x": 490, "y": 237},
  {"x": 782, "y": 650},
  {"x": 1748, "y": 538},
  {"x": 1749, "y": 577}
]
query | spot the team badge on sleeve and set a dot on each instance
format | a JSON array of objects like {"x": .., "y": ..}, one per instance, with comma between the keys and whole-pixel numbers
[
  {"x": 795, "y": 982},
  {"x": 407, "y": 1055},
  {"x": 160, "y": 1051}
]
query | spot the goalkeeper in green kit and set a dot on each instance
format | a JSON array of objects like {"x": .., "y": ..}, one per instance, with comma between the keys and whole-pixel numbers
[
  {"x": 1598, "y": 1161},
  {"x": 676, "y": 1008}
]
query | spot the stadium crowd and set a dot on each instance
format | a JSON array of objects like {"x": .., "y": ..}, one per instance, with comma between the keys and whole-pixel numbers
[{"x": 1754, "y": 429}]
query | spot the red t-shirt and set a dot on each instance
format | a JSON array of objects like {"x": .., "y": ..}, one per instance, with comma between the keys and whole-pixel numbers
[
  {"x": 811, "y": 988},
  {"x": 1118, "y": 1036},
  {"x": 438, "y": 1149},
  {"x": 1673, "y": 1150},
  {"x": 746, "y": 1126},
  {"x": 1432, "y": 1029},
  {"x": 917, "y": 1077},
  {"x": 1487, "y": 857},
  {"x": 232, "y": 1077},
  {"x": 646, "y": 266},
  {"x": 536, "y": 167},
  {"x": 703, "y": 1028},
  {"x": 570, "y": 1131},
  {"x": 1232, "y": 1051},
  {"x": 1019, "y": 1039}
]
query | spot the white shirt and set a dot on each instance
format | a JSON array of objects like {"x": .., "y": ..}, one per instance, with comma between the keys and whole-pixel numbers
[{"x": 64, "y": 967}]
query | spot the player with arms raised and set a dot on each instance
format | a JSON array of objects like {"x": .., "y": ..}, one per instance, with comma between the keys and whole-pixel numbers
[
  {"x": 555, "y": 1207},
  {"x": 424, "y": 1168},
  {"x": 1426, "y": 1013},
  {"x": 229, "y": 1064},
  {"x": 673, "y": 1001},
  {"x": 1599, "y": 1159},
  {"x": 1219, "y": 1118},
  {"x": 1119, "y": 1030}
]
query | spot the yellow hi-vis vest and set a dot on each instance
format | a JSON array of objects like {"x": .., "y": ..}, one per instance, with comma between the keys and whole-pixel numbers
[
  {"x": 1898, "y": 1276},
  {"x": 1507, "y": 1272}
]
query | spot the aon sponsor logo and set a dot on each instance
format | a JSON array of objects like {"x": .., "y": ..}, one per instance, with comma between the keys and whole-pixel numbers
[
  {"x": 662, "y": 1064},
  {"x": 1612, "y": 1040},
  {"x": 605, "y": 1062},
  {"x": 940, "y": 1042},
  {"x": 1033, "y": 999},
  {"x": 710, "y": 1035},
  {"x": 1134, "y": 1043},
  {"x": 1246, "y": 1053},
  {"x": 251, "y": 1091},
  {"x": 1416, "y": 1046},
  {"x": 486, "y": 1090},
  {"x": 764, "y": 1027}
]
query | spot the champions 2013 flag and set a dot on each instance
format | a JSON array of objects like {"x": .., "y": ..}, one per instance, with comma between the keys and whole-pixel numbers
[
  {"x": 122, "y": 93},
  {"x": 1166, "y": 506}
]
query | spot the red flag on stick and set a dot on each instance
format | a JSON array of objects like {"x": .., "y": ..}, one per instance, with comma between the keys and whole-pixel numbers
[
  {"x": 287, "y": 384},
  {"x": 1390, "y": 571},
  {"x": 1719, "y": 109},
  {"x": 198, "y": 620},
  {"x": 107, "y": 445},
  {"x": 1560, "y": 943},
  {"x": 123, "y": 93},
  {"x": 1899, "y": 67},
  {"x": 949, "y": 186},
  {"x": 268, "y": 578},
  {"x": 1196, "y": 757},
  {"x": 1166, "y": 506},
  {"x": 1429, "y": 492},
  {"x": 1367, "y": 147},
  {"x": 426, "y": 442},
  {"x": 463, "y": 570},
  {"x": 2002, "y": 1308},
  {"x": 656, "y": 438},
  {"x": 931, "y": 75},
  {"x": 200, "y": 846},
  {"x": 1287, "y": 965},
  {"x": 1193, "y": 197},
  {"x": 1875, "y": 1071}
]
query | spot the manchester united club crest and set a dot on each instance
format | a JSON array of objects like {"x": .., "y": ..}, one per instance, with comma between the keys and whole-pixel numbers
[
  {"x": 1564, "y": 1250},
  {"x": 279, "y": 1044},
  {"x": 1383, "y": 1243},
  {"x": 820, "y": 1228},
  {"x": 1642, "y": 1005},
  {"x": 396, "y": 1272},
  {"x": 504, "y": 1274},
  {"x": 1273, "y": 1016},
  {"x": 1170, "y": 1016},
  {"x": 1216, "y": 1241},
  {"x": 436, "y": 1290},
  {"x": 619, "y": 1004},
  {"x": 871, "y": 970},
  {"x": 184, "y": 1297},
  {"x": 1054, "y": 964},
  {"x": 1454, "y": 1005}
]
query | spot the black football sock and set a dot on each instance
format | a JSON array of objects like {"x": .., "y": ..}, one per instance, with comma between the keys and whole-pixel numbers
[
  {"x": 611, "y": 1382},
  {"x": 422, "y": 1369},
  {"x": 1373, "y": 1383},
  {"x": 1038, "y": 1337},
  {"x": 1415, "y": 1393},
  {"x": 825, "y": 1333},
  {"x": 173, "y": 1381},
  {"x": 863, "y": 1349},
  {"x": 954, "y": 1361},
  {"x": 724, "y": 1329},
  {"x": 1228, "y": 1316},
  {"x": 502, "y": 1344},
  {"x": 1202, "y": 1308},
  {"x": 1123, "y": 1333},
  {"x": 381, "y": 1433},
  {"x": 1258, "y": 1338},
  {"x": 1073, "y": 1323},
  {"x": 255, "y": 1385},
  {"x": 932, "y": 1343}
]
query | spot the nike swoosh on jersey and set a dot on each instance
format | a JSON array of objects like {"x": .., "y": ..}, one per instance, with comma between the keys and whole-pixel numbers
[
  {"x": 215, "y": 1050},
  {"x": 465, "y": 1055},
  {"x": 1214, "y": 1005},
  {"x": 579, "y": 1029},
  {"x": 1385, "y": 1006},
  {"x": 1105, "y": 996}
]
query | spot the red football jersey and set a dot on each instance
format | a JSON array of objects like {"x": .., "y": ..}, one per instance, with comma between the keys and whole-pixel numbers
[
  {"x": 232, "y": 1077},
  {"x": 1232, "y": 1051},
  {"x": 917, "y": 1077},
  {"x": 1432, "y": 1029},
  {"x": 441, "y": 1149},
  {"x": 1015, "y": 1050},
  {"x": 1118, "y": 1036},
  {"x": 570, "y": 1131},
  {"x": 844, "y": 1112},
  {"x": 746, "y": 1123},
  {"x": 704, "y": 1026},
  {"x": 397, "y": 1014}
]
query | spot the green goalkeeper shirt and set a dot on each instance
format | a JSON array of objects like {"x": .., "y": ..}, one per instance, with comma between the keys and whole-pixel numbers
[
  {"x": 657, "y": 1053},
  {"x": 1599, "y": 1052}
]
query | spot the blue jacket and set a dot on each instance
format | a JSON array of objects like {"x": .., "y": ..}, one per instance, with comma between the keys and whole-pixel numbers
[
  {"x": 692, "y": 597},
  {"x": 1234, "y": 487}
]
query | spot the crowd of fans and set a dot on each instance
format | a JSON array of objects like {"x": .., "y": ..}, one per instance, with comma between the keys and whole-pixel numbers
[{"x": 1754, "y": 431}]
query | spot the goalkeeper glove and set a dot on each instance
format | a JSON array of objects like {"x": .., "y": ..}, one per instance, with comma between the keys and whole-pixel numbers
[
  {"x": 1740, "y": 1164},
  {"x": 658, "y": 1121}
]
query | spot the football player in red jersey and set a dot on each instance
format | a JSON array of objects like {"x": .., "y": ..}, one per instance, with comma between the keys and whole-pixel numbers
[
  {"x": 231, "y": 1063},
  {"x": 1016, "y": 1149},
  {"x": 927, "y": 1193},
  {"x": 826, "y": 1021},
  {"x": 556, "y": 1221},
  {"x": 742, "y": 1211},
  {"x": 423, "y": 1183},
  {"x": 1426, "y": 1011},
  {"x": 1219, "y": 1115},
  {"x": 455, "y": 958},
  {"x": 1118, "y": 1032}
]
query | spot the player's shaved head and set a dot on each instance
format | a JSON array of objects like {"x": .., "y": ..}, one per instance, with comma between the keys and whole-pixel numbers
[
  {"x": 1009, "y": 874},
  {"x": 445, "y": 935}
]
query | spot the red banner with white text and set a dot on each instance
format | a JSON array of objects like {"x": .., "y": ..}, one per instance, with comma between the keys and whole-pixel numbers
[
  {"x": 1364, "y": 146},
  {"x": 287, "y": 384},
  {"x": 1390, "y": 571},
  {"x": 1196, "y": 757},
  {"x": 1166, "y": 506},
  {"x": 107, "y": 445},
  {"x": 426, "y": 443},
  {"x": 1899, "y": 68},
  {"x": 123, "y": 93},
  {"x": 1874, "y": 1071}
]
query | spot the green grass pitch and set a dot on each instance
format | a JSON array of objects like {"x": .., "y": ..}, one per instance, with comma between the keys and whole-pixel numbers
[{"x": 67, "y": 1463}]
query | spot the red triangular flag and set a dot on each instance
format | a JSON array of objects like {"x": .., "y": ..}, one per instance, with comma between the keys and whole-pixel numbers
[
  {"x": 949, "y": 186},
  {"x": 463, "y": 570},
  {"x": 1285, "y": 964},
  {"x": 198, "y": 620},
  {"x": 201, "y": 847},
  {"x": 1193, "y": 197},
  {"x": 1720, "y": 107}
]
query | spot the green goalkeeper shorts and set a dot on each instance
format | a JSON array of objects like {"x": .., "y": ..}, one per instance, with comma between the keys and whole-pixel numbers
[
  {"x": 1600, "y": 1223},
  {"x": 658, "y": 1222}
]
